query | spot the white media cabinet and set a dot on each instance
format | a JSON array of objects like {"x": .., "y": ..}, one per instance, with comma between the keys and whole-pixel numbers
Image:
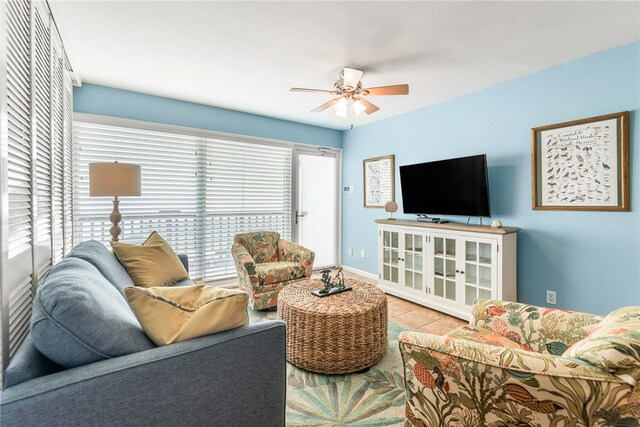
[{"x": 446, "y": 266}]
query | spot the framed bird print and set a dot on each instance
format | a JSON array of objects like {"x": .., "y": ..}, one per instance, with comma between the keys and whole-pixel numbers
[{"x": 582, "y": 165}]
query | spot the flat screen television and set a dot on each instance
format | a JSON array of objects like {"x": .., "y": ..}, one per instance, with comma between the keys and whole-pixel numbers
[{"x": 449, "y": 187}]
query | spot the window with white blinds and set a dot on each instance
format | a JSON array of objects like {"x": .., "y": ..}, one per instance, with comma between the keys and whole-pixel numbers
[
  {"x": 35, "y": 204},
  {"x": 197, "y": 191}
]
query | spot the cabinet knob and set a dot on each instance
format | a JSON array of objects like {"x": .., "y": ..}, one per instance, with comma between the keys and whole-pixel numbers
[
  {"x": 461, "y": 272},
  {"x": 457, "y": 271}
]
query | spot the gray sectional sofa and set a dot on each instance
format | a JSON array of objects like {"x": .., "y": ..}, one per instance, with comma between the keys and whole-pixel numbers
[{"x": 87, "y": 361}]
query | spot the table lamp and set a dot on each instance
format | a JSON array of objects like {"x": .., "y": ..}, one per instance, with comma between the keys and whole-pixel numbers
[{"x": 114, "y": 180}]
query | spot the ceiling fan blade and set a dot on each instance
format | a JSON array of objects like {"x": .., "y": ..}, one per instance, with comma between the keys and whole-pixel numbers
[
  {"x": 388, "y": 90},
  {"x": 303, "y": 89},
  {"x": 351, "y": 77},
  {"x": 369, "y": 107},
  {"x": 325, "y": 105}
]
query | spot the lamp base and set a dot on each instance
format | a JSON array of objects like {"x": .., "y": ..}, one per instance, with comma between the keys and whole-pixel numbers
[{"x": 115, "y": 218}]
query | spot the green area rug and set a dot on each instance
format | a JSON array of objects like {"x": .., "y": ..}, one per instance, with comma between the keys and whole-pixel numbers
[{"x": 374, "y": 398}]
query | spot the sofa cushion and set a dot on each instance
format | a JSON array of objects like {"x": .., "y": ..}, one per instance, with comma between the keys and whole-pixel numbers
[
  {"x": 80, "y": 318},
  {"x": 276, "y": 272},
  {"x": 153, "y": 263},
  {"x": 174, "y": 314},
  {"x": 614, "y": 344},
  {"x": 262, "y": 245},
  {"x": 28, "y": 363},
  {"x": 107, "y": 264}
]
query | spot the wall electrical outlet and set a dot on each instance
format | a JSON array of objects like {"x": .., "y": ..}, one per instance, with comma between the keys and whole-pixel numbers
[
  {"x": 361, "y": 253},
  {"x": 350, "y": 251},
  {"x": 551, "y": 297}
]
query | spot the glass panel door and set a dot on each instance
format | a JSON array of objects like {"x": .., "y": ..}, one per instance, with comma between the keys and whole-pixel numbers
[
  {"x": 413, "y": 261},
  {"x": 444, "y": 267},
  {"x": 479, "y": 269},
  {"x": 390, "y": 255},
  {"x": 316, "y": 218}
]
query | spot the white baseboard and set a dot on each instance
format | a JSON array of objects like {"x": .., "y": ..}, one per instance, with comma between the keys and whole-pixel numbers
[{"x": 360, "y": 272}]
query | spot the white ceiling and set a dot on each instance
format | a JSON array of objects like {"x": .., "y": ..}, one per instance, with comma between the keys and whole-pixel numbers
[{"x": 246, "y": 55}]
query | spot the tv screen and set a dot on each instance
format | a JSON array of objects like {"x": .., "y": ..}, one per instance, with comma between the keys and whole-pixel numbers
[{"x": 449, "y": 187}]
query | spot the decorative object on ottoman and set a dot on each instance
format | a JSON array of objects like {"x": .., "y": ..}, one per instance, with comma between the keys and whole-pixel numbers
[
  {"x": 330, "y": 287},
  {"x": 266, "y": 264},
  {"x": 391, "y": 207},
  {"x": 153, "y": 263},
  {"x": 174, "y": 314},
  {"x": 528, "y": 365},
  {"x": 342, "y": 333}
]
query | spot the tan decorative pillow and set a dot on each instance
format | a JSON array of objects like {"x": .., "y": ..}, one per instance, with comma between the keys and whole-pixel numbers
[
  {"x": 174, "y": 314},
  {"x": 153, "y": 263}
]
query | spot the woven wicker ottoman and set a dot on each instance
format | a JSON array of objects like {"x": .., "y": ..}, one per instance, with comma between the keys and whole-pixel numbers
[{"x": 338, "y": 334}]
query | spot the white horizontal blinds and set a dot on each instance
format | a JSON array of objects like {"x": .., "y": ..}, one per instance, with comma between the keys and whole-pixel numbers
[
  {"x": 17, "y": 282},
  {"x": 169, "y": 202},
  {"x": 68, "y": 163},
  {"x": 248, "y": 188},
  {"x": 198, "y": 192},
  {"x": 57, "y": 146},
  {"x": 41, "y": 90}
]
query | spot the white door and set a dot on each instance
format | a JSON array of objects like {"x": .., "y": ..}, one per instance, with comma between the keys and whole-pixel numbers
[{"x": 316, "y": 208}]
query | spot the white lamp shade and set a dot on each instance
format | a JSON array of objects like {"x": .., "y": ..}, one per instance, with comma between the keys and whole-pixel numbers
[{"x": 114, "y": 179}]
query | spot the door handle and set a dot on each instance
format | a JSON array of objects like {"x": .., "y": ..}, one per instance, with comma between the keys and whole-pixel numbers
[{"x": 299, "y": 215}]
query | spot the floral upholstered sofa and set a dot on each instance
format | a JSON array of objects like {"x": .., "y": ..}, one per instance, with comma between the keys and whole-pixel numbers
[
  {"x": 266, "y": 263},
  {"x": 521, "y": 365}
]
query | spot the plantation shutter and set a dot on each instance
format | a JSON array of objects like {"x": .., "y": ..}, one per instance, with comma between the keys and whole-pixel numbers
[
  {"x": 248, "y": 188},
  {"x": 32, "y": 147},
  {"x": 41, "y": 123},
  {"x": 17, "y": 283},
  {"x": 57, "y": 145},
  {"x": 67, "y": 194},
  {"x": 197, "y": 191}
]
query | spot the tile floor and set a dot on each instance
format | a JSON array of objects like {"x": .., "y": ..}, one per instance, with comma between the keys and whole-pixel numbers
[{"x": 414, "y": 315}]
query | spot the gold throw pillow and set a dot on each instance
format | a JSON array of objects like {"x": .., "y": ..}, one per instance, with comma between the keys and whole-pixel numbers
[
  {"x": 174, "y": 314},
  {"x": 151, "y": 264}
]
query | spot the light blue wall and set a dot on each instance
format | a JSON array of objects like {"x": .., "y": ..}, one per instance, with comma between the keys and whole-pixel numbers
[
  {"x": 109, "y": 101},
  {"x": 592, "y": 259}
]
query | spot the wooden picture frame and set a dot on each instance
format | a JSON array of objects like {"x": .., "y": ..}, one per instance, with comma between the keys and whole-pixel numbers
[
  {"x": 581, "y": 165},
  {"x": 378, "y": 176}
]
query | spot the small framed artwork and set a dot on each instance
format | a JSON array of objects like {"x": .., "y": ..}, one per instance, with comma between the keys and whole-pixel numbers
[
  {"x": 582, "y": 165},
  {"x": 378, "y": 175}
]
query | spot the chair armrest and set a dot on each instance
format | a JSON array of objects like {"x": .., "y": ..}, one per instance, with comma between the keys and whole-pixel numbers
[
  {"x": 446, "y": 378},
  {"x": 546, "y": 330},
  {"x": 184, "y": 259},
  {"x": 245, "y": 266},
  {"x": 209, "y": 380},
  {"x": 291, "y": 252},
  {"x": 514, "y": 359}
]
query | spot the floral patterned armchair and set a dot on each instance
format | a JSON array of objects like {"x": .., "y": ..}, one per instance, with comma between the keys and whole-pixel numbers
[
  {"x": 265, "y": 264},
  {"x": 521, "y": 365}
]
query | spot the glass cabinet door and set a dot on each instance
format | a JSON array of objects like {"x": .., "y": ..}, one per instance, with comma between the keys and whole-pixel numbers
[
  {"x": 390, "y": 255},
  {"x": 413, "y": 260},
  {"x": 479, "y": 274},
  {"x": 444, "y": 267}
]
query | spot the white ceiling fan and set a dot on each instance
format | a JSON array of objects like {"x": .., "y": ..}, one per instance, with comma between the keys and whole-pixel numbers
[{"x": 350, "y": 94}]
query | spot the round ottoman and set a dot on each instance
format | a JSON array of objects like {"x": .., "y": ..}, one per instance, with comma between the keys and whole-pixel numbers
[{"x": 337, "y": 334}]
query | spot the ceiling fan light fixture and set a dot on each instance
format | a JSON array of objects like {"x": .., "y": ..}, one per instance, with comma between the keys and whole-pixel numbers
[
  {"x": 358, "y": 107},
  {"x": 341, "y": 108}
]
